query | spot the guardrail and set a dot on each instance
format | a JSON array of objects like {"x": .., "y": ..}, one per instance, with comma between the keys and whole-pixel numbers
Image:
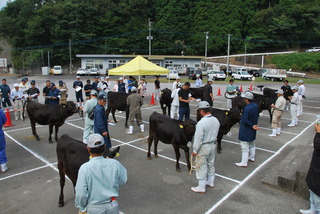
[{"x": 296, "y": 74}]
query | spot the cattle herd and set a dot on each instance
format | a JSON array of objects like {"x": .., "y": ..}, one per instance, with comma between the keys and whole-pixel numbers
[{"x": 72, "y": 153}]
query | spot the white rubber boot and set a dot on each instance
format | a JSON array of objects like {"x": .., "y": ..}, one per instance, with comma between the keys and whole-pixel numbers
[
  {"x": 201, "y": 188},
  {"x": 274, "y": 133},
  {"x": 244, "y": 160},
  {"x": 278, "y": 131},
  {"x": 142, "y": 127},
  {"x": 4, "y": 167},
  {"x": 252, "y": 154},
  {"x": 312, "y": 210},
  {"x": 210, "y": 181},
  {"x": 293, "y": 123},
  {"x": 130, "y": 131}
]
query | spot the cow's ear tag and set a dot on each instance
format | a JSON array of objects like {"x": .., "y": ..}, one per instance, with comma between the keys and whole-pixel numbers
[
  {"x": 189, "y": 144},
  {"x": 227, "y": 113},
  {"x": 181, "y": 126}
]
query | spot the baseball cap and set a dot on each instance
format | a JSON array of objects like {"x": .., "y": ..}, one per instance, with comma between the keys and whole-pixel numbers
[
  {"x": 133, "y": 88},
  {"x": 120, "y": 78},
  {"x": 203, "y": 104},
  {"x": 294, "y": 87},
  {"x": 24, "y": 80},
  {"x": 33, "y": 82},
  {"x": 198, "y": 75},
  {"x": 78, "y": 77},
  {"x": 107, "y": 77},
  {"x": 60, "y": 82},
  {"x": 279, "y": 91},
  {"x": 96, "y": 77},
  {"x": 101, "y": 78},
  {"x": 187, "y": 83},
  {"x": 52, "y": 84},
  {"x": 248, "y": 95},
  {"x": 210, "y": 80},
  {"x": 177, "y": 78},
  {"x": 16, "y": 85},
  {"x": 300, "y": 81},
  {"x": 94, "y": 92},
  {"x": 231, "y": 80},
  {"x": 124, "y": 75},
  {"x": 102, "y": 97},
  {"x": 95, "y": 140}
]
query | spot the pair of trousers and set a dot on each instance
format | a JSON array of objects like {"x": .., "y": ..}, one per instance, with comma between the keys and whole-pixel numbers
[
  {"x": 184, "y": 111},
  {"x": 17, "y": 106},
  {"x": 174, "y": 112},
  {"x": 276, "y": 119},
  {"x": 3, "y": 156},
  {"x": 206, "y": 158},
  {"x": 79, "y": 97},
  {"x": 108, "y": 208},
  {"x": 315, "y": 200},
  {"x": 88, "y": 129},
  {"x": 293, "y": 112},
  {"x": 245, "y": 145},
  {"x": 5, "y": 101}
]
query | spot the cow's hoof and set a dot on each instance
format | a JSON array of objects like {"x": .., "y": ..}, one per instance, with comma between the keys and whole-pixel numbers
[
  {"x": 61, "y": 204},
  {"x": 178, "y": 170},
  {"x": 156, "y": 156},
  {"x": 50, "y": 141},
  {"x": 149, "y": 158}
]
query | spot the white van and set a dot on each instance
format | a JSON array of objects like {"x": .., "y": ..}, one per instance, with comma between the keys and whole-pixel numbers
[{"x": 57, "y": 69}]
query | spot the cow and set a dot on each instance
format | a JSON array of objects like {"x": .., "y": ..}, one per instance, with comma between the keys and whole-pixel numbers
[
  {"x": 71, "y": 154},
  {"x": 165, "y": 101},
  {"x": 197, "y": 93},
  {"x": 54, "y": 115},
  {"x": 227, "y": 119},
  {"x": 170, "y": 131},
  {"x": 117, "y": 101}
]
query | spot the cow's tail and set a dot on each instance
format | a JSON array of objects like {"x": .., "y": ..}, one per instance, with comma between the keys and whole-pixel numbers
[{"x": 23, "y": 108}]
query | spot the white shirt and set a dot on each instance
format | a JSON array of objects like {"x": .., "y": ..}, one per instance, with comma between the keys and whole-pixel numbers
[
  {"x": 174, "y": 85},
  {"x": 175, "y": 97},
  {"x": 14, "y": 93},
  {"x": 280, "y": 103},
  {"x": 295, "y": 98},
  {"x": 301, "y": 90}
]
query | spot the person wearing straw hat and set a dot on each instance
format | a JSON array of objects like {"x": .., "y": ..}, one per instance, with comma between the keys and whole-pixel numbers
[
  {"x": 3, "y": 156},
  {"x": 248, "y": 130},
  {"x": 278, "y": 108},
  {"x": 294, "y": 102},
  {"x": 301, "y": 92},
  {"x": 17, "y": 95},
  {"x": 134, "y": 103},
  {"x": 99, "y": 179},
  {"x": 88, "y": 107},
  {"x": 204, "y": 147}
]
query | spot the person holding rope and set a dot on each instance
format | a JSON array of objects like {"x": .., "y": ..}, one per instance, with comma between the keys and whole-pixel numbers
[
  {"x": 231, "y": 93},
  {"x": 204, "y": 147}
]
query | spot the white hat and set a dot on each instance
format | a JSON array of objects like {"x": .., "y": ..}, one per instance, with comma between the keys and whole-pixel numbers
[
  {"x": 102, "y": 78},
  {"x": 95, "y": 140},
  {"x": 16, "y": 85},
  {"x": 107, "y": 77},
  {"x": 94, "y": 92},
  {"x": 300, "y": 81},
  {"x": 279, "y": 91},
  {"x": 210, "y": 80},
  {"x": 78, "y": 77},
  {"x": 120, "y": 78},
  {"x": 294, "y": 87},
  {"x": 203, "y": 104},
  {"x": 124, "y": 75},
  {"x": 133, "y": 88},
  {"x": 198, "y": 75},
  {"x": 177, "y": 78},
  {"x": 248, "y": 95}
]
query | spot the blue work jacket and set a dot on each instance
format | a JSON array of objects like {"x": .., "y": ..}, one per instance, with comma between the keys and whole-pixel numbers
[{"x": 249, "y": 118}]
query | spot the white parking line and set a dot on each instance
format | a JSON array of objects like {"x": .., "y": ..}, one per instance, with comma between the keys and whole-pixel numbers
[
  {"x": 13, "y": 130},
  {"x": 255, "y": 171},
  {"x": 258, "y": 148},
  {"x": 264, "y": 128}
]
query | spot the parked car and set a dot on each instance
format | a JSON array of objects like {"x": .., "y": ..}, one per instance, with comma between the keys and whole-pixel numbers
[
  {"x": 313, "y": 49},
  {"x": 173, "y": 74},
  {"x": 94, "y": 71},
  {"x": 256, "y": 73},
  {"x": 217, "y": 75},
  {"x": 57, "y": 70},
  {"x": 82, "y": 71},
  {"x": 192, "y": 73},
  {"x": 242, "y": 75}
]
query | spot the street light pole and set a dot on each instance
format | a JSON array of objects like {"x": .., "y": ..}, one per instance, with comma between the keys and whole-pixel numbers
[
  {"x": 149, "y": 37},
  {"x": 70, "y": 69},
  {"x": 228, "y": 60},
  {"x": 206, "y": 50}
]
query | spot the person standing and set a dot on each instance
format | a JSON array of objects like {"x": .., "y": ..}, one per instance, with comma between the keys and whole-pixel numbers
[
  {"x": 278, "y": 108},
  {"x": 45, "y": 91},
  {"x": 3, "y": 156},
  {"x": 78, "y": 86},
  {"x": 198, "y": 81},
  {"x": 175, "y": 102},
  {"x": 23, "y": 85},
  {"x": 101, "y": 121},
  {"x": 108, "y": 85},
  {"x": 134, "y": 102},
  {"x": 175, "y": 83},
  {"x": 5, "y": 91},
  {"x": 17, "y": 95},
  {"x": 157, "y": 90},
  {"x": 286, "y": 88},
  {"x": 294, "y": 102},
  {"x": 230, "y": 93},
  {"x": 142, "y": 88},
  {"x": 95, "y": 83},
  {"x": 248, "y": 130},
  {"x": 130, "y": 84},
  {"x": 33, "y": 92},
  {"x": 88, "y": 123},
  {"x": 301, "y": 92},
  {"x": 87, "y": 89},
  {"x": 121, "y": 85},
  {"x": 204, "y": 146},
  {"x": 313, "y": 176},
  {"x": 99, "y": 179},
  {"x": 54, "y": 95},
  {"x": 125, "y": 81},
  {"x": 207, "y": 92},
  {"x": 64, "y": 92},
  {"x": 184, "y": 98}
]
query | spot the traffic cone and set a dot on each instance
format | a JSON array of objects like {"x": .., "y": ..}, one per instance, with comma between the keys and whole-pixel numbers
[
  {"x": 240, "y": 88},
  {"x": 250, "y": 87},
  {"x": 219, "y": 92},
  {"x": 8, "y": 122},
  {"x": 152, "y": 102}
]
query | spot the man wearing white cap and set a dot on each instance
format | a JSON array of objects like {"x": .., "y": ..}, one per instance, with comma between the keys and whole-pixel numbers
[
  {"x": 78, "y": 86},
  {"x": 278, "y": 107},
  {"x": 101, "y": 85},
  {"x": 175, "y": 83},
  {"x": 198, "y": 83},
  {"x": 99, "y": 179},
  {"x": 204, "y": 147},
  {"x": 294, "y": 102},
  {"x": 121, "y": 85},
  {"x": 134, "y": 102},
  {"x": 175, "y": 102},
  {"x": 248, "y": 130},
  {"x": 88, "y": 122},
  {"x": 17, "y": 95},
  {"x": 301, "y": 92}
]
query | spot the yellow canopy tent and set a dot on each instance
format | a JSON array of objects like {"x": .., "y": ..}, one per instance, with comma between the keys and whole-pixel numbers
[{"x": 138, "y": 66}]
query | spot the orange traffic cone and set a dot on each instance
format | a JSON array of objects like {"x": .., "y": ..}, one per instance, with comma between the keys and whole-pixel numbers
[
  {"x": 240, "y": 88},
  {"x": 152, "y": 102},
  {"x": 8, "y": 122},
  {"x": 250, "y": 87},
  {"x": 219, "y": 92}
]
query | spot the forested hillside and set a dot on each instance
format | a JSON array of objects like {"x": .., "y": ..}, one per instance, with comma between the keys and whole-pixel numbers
[{"x": 121, "y": 26}]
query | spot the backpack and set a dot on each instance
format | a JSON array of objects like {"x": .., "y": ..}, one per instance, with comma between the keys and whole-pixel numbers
[{"x": 91, "y": 113}]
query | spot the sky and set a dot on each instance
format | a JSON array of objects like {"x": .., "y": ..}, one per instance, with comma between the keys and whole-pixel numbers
[{"x": 3, "y": 3}]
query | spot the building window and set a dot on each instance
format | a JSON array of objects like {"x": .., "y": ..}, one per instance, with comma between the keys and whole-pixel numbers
[
  {"x": 168, "y": 63},
  {"x": 92, "y": 63},
  {"x": 112, "y": 63}
]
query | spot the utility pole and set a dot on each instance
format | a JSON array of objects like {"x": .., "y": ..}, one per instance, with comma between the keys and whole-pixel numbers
[
  {"x": 149, "y": 37},
  {"x": 49, "y": 59},
  {"x": 228, "y": 60},
  {"x": 245, "y": 54},
  {"x": 206, "y": 50},
  {"x": 70, "y": 69}
]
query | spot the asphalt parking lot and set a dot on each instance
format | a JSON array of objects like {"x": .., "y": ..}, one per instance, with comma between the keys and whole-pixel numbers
[{"x": 32, "y": 183}]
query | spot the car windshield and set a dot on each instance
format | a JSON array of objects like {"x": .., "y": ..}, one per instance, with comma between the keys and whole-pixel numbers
[
  {"x": 244, "y": 73},
  {"x": 219, "y": 72},
  {"x": 173, "y": 71}
]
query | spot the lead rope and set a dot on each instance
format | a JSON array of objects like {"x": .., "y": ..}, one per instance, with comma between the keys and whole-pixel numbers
[{"x": 195, "y": 163}]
